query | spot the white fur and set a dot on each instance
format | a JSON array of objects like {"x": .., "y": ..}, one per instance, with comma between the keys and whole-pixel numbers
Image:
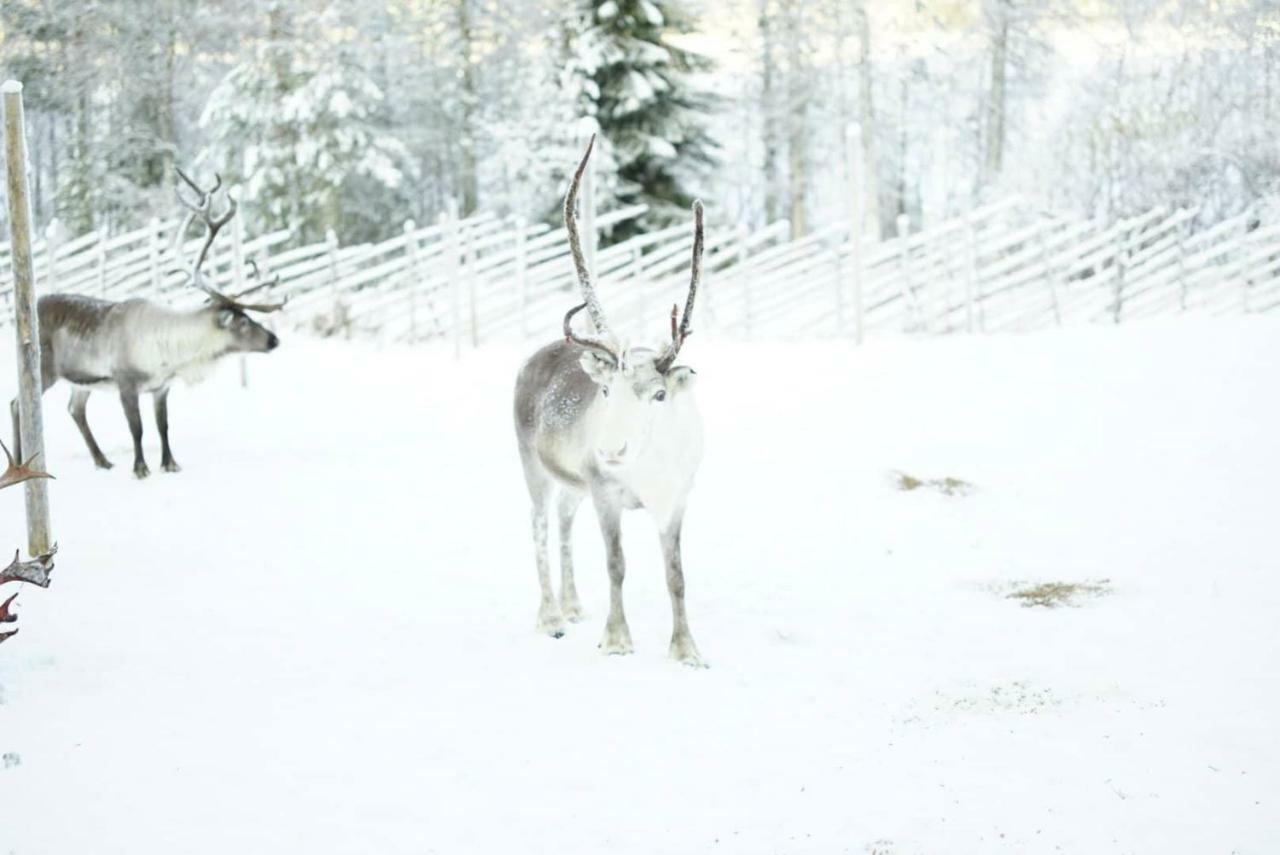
[
  {"x": 663, "y": 439},
  {"x": 154, "y": 342}
]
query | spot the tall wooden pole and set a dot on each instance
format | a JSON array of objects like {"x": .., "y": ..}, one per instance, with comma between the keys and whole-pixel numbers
[{"x": 30, "y": 418}]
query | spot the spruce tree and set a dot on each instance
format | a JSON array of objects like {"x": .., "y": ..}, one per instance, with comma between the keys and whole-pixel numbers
[
  {"x": 640, "y": 89},
  {"x": 302, "y": 126}
]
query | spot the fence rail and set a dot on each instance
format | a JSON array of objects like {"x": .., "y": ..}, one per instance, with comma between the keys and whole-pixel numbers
[{"x": 1005, "y": 266}]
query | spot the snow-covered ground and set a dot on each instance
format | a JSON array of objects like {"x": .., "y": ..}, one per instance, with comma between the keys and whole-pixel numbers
[{"x": 320, "y": 636}]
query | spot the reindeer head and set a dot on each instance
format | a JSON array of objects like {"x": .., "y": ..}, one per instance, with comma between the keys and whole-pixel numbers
[
  {"x": 230, "y": 315},
  {"x": 638, "y": 387}
]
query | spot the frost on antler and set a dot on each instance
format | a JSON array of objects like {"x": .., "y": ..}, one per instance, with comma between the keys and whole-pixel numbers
[{"x": 36, "y": 571}]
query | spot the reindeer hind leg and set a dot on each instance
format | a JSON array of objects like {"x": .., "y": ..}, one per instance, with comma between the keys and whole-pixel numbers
[{"x": 77, "y": 407}]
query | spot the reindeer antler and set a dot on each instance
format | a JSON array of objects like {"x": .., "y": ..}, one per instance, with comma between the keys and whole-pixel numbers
[
  {"x": 683, "y": 331},
  {"x": 16, "y": 473},
  {"x": 203, "y": 210},
  {"x": 584, "y": 341},
  {"x": 36, "y": 571},
  {"x": 591, "y": 300}
]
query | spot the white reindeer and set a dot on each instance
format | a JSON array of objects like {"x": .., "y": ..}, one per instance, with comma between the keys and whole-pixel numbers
[{"x": 620, "y": 425}]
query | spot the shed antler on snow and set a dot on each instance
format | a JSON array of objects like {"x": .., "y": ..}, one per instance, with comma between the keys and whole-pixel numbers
[{"x": 37, "y": 570}]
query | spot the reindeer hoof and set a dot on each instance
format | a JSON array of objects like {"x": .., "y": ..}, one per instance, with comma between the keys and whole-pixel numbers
[
  {"x": 686, "y": 652},
  {"x": 550, "y": 622},
  {"x": 103, "y": 463},
  {"x": 616, "y": 642},
  {"x": 572, "y": 610},
  {"x": 140, "y": 471},
  {"x": 171, "y": 466}
]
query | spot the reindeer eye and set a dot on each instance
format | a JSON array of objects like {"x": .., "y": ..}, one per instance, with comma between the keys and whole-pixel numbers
[
  {"x": 660, "y": 395},
  {"x": 604, "y": 390}
]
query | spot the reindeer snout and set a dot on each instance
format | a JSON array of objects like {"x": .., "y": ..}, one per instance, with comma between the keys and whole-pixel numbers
[
  {"x": 273, "y": 341},
  {"x": 613, "y": 457}
]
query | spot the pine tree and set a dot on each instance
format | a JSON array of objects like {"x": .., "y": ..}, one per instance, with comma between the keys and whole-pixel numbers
[
  {"x": 301, "y": 126},
  {"x": 639, "y": 88}
]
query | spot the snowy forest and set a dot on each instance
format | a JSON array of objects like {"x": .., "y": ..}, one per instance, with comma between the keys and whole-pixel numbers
[{"x": 354, "y": 116}]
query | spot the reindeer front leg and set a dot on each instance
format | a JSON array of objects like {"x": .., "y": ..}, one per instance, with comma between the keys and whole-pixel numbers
[
  {"x": 682, "y": 647},
  {"x": 570, "y": 605},
  {"x": 129, "y": 400},
  {"x": 617, "y": 636}
]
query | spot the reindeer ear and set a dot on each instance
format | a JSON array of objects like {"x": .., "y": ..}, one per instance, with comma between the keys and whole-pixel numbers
[
  {"x": 680, "y": 378},
  {"x": 598, "y": 366},
  {"x": 225, "y": 317}
]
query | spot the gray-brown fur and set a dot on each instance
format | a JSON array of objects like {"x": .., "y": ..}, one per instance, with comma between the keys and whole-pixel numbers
[{"x": 135, "y": 346}]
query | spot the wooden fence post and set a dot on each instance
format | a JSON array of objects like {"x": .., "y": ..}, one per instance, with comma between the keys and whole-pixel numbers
[
  {"x": 522, "y": 274},
  {"x": 473, "y": 275},
  {"x": 237, "y": 252},
  {"x": 453, "y": 266},
  {"x": 1245, "y": 241},
  {"x": 1122, "y": 241},
  {"x": 857, "y": 214},
  {"x": 1049, "y": 282},
  {"x": 745, "y": 273},
  {"x": 1182, "y": 260},
  {"x": 971, "y": 271},
  {"x": 414, "y": 277},
  {"x": 909, "y": 299},
  {"x": 153, "y": 254},
  {"x": 331, "y": 252},
  {"x": 52, "y": 242},
  {"x": 101, "y": 260},
  {"x": 27, "y": 322}
]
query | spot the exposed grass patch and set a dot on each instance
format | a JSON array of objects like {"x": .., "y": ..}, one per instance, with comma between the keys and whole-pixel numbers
[
  {"x": 948, "y": 486},
  {"x": 1050, "y": 595}
]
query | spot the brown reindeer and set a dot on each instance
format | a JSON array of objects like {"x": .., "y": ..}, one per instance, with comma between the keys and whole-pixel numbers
[{"x": 137, "y": 346}]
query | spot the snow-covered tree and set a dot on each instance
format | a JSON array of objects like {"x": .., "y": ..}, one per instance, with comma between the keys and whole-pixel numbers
[
  {"x": 640, "y": 87},
  {"x": 300, "y": 127}
]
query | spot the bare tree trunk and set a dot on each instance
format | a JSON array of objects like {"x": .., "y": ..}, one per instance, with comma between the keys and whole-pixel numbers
[
  {"x": 867, "y": 118},
  {"x": 998, "y": 21},
  {"x": 165, "y": 118},
  {"x": 768, "y": 107},
  {"x": 797, "y": 131},
  {"x": 470, "y": 181}
]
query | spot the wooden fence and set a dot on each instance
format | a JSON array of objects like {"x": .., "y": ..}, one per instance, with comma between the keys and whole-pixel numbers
[{"x": 1005, "y": 266}]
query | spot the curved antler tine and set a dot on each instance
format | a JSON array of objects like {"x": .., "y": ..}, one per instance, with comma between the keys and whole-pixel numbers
[
  {"x": 263, "y": 307},
  {"x": 217, "y": 183},
  {"x": 187, "y": 178},
  {"x": 568, "y": 330},
  {"x": 7, "y": 455},
  {"x": 232, "y": 205},
  {"x": 582, "y": 341}
]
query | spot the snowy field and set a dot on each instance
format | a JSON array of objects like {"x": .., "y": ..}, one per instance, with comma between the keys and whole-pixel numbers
[{"x": 319, "y": 638}]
